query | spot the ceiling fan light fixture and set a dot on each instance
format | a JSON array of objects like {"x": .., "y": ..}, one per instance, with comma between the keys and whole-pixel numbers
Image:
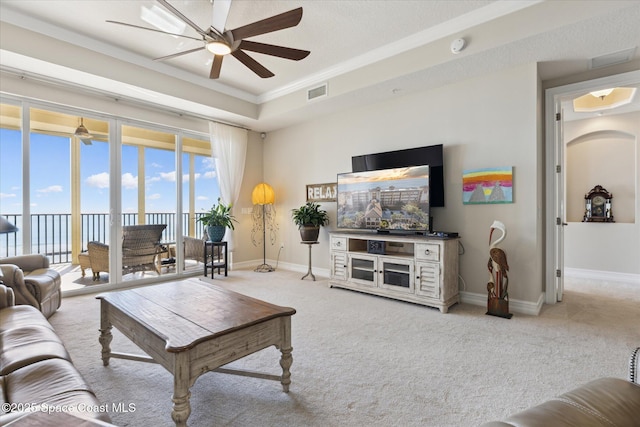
[
  {"x": 82, "y": 132},
  {"x": 601, "y": 93},
  {"x": 218, "y": 47}
]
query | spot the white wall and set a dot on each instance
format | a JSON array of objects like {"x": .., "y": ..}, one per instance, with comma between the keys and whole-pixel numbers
[
  {"x": 603, "y": 150},
  {"x": 482, "y": 122}
]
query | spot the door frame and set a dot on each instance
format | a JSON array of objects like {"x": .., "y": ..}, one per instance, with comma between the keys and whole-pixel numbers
[{"x": 555, "y": 173}]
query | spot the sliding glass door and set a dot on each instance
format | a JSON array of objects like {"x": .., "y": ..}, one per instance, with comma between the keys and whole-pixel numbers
[
  {"x": 148, "y": 200},
  {"x": 78, "y": 186},
  {"x": 11, "y": 181}
]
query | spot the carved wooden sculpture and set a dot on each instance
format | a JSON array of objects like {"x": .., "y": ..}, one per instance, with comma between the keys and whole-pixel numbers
[{"x": 497, "y": 287}]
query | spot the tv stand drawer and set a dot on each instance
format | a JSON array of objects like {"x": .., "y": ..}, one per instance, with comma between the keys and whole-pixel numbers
[{"x": 428, "y": 251}]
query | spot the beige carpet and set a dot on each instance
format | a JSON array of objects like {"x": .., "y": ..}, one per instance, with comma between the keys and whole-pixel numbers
[{"x": 362, "y": 360}]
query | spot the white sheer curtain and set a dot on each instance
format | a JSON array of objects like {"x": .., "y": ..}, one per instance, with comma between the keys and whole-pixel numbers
[{"x": 229, "y": 148}]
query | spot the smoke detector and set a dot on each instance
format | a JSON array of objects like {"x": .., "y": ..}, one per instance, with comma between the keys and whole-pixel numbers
[{"x": 457, "y": 45}]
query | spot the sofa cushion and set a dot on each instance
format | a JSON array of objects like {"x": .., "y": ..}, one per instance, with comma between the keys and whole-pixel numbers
[
  {"x": 603, "y": 402},
  {"x": 20, "y": 316},
  {"x": 43, "y": 281},
  {"x": 22, "y": 346},
  {"x": 53, "y": 382}
]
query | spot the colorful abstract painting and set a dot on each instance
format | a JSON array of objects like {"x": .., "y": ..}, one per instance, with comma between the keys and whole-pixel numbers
[{"x": 488, "y": 185}]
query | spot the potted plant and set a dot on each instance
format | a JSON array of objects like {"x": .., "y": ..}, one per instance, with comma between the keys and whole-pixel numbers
[
  {"x": 217, "y": 220},
  {"x": 309, "y": 218}
]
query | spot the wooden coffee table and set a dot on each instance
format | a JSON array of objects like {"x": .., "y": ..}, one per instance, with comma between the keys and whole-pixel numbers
[{"x": 191, "y": 327}]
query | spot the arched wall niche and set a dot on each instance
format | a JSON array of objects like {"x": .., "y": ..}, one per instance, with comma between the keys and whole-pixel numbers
[{"x": 607, "y": 158}]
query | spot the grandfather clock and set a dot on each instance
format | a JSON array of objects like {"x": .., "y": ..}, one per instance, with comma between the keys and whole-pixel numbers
[{"x": 598, "y": 205}]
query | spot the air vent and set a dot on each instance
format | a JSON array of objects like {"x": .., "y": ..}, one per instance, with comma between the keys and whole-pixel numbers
[
  {"x": 317, "y": 92},
  {"x": 612, "y": 58}
]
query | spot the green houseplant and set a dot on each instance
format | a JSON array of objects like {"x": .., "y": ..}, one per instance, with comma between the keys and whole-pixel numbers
[
  {"x": 216, "y": 221},
  {"x": 309, "y": 218}
]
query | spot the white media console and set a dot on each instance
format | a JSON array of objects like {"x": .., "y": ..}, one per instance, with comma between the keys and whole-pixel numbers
[{"x": 418, "y": 269}]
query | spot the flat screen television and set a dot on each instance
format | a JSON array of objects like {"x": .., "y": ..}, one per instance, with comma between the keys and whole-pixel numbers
[
  {"x": 387, "y": 200},
  {"x": 431, "y": 155}
]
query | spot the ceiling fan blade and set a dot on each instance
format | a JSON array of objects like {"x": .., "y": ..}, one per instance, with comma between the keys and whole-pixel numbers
[
  {"x": 268, "y": 25},
  {"x": 174, "y": 55},
  {"x": 152, "y": 29},
  {"x": 252, "y": 64},
  {"x": 216, "y": 66},
  {"x": 220, "y": 13},
  {"x": 86, "y": 141},
  {"x": 183, "y": 18},
  {"x": 273, "y": 50}
]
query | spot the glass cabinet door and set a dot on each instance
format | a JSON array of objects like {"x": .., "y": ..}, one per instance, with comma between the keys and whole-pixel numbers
[
  {"x": 396, "y": 274},
  {"x": 363, "y": 269}
]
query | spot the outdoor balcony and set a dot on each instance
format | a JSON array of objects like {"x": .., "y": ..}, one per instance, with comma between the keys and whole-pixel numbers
[{"x": 51, "y": 235}]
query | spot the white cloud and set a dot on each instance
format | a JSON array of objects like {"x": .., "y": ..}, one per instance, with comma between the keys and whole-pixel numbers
[
  {"x": 155, "y": 196},
  {"x": 6, "y": 195},
  {"x": 185, "y": 177},
  {"x": 99, "y": 180},
  {"x": 51, "y": 189},
  {"x": 129, "y": 181},
  {"x": 168, "y": 176},
  {"x": 209, "y": 163},
  {"x": 171, "y": 177},
  {"x": 210, "y": 174},
  {"x": 202, "y": 198}
]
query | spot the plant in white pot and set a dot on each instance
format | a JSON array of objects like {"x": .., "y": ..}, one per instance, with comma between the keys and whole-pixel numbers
[
  {"x": 217, "y": 220},
  {"x": 309, "y": 218}
]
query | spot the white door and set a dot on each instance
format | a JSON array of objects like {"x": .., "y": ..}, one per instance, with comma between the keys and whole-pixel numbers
[{"x": 560, "y": 211}]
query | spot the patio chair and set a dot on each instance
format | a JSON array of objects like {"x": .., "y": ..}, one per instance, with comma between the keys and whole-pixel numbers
[
  {"x": 141, "y": 247},
  {"x": 194, "y": 248},
  {"x": 98, "y": 258}
]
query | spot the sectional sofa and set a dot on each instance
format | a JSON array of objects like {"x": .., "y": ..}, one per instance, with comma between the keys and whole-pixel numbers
[
  {"x": 39, "y": 384},
  {"x": 602, "y": 402}
]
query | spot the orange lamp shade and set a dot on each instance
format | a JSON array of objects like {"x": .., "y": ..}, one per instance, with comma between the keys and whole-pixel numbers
[{"x": 263, "y": 194}]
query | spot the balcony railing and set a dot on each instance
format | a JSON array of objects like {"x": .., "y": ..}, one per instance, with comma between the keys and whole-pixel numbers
[{"x": 51, "y": 233}]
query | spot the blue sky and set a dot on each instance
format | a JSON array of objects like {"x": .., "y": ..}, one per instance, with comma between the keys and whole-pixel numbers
[{"x": 51, "y": 177}]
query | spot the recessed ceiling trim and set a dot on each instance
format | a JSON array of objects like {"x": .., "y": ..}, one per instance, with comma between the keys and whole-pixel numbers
[
  {"x": 594, "y": 101},
  {"x": 479, "y": 16},
  {"x": 96, "y": 85},
  {"x": 33, "y": 24}
]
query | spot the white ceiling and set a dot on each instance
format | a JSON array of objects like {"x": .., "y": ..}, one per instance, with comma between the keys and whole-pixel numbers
[{"x": 381, "y": 48}]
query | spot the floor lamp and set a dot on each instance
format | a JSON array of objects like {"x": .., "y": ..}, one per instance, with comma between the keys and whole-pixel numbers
[{"x": 263, "y": 195}]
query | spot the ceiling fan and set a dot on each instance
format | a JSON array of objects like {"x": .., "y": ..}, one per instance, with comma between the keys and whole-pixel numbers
[
  {"x": 221, "y": 42},
  {"x": 81, "y": 132}
]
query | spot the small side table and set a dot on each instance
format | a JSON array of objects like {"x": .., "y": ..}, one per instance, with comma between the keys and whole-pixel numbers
[
  {"x": 217, "y": 259},
  {"x": 309, "y": 273}
]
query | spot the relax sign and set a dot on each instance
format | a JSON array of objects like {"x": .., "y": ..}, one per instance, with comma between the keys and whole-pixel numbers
[{"x": 322, "y": 192}]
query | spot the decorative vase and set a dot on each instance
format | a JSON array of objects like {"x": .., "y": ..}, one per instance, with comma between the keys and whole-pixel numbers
[
  {"x": 309, "y": 233},
  {"x": 216, "y": 232}
]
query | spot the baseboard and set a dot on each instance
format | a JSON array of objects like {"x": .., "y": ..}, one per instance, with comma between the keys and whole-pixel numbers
[
  {"x": 250, "y": 265},
  {"x": 516, "y": 306},
  {"x": 607, "y": 276}
]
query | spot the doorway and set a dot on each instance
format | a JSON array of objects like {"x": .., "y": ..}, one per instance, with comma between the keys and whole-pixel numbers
[{"x": 556, "y": 211}]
